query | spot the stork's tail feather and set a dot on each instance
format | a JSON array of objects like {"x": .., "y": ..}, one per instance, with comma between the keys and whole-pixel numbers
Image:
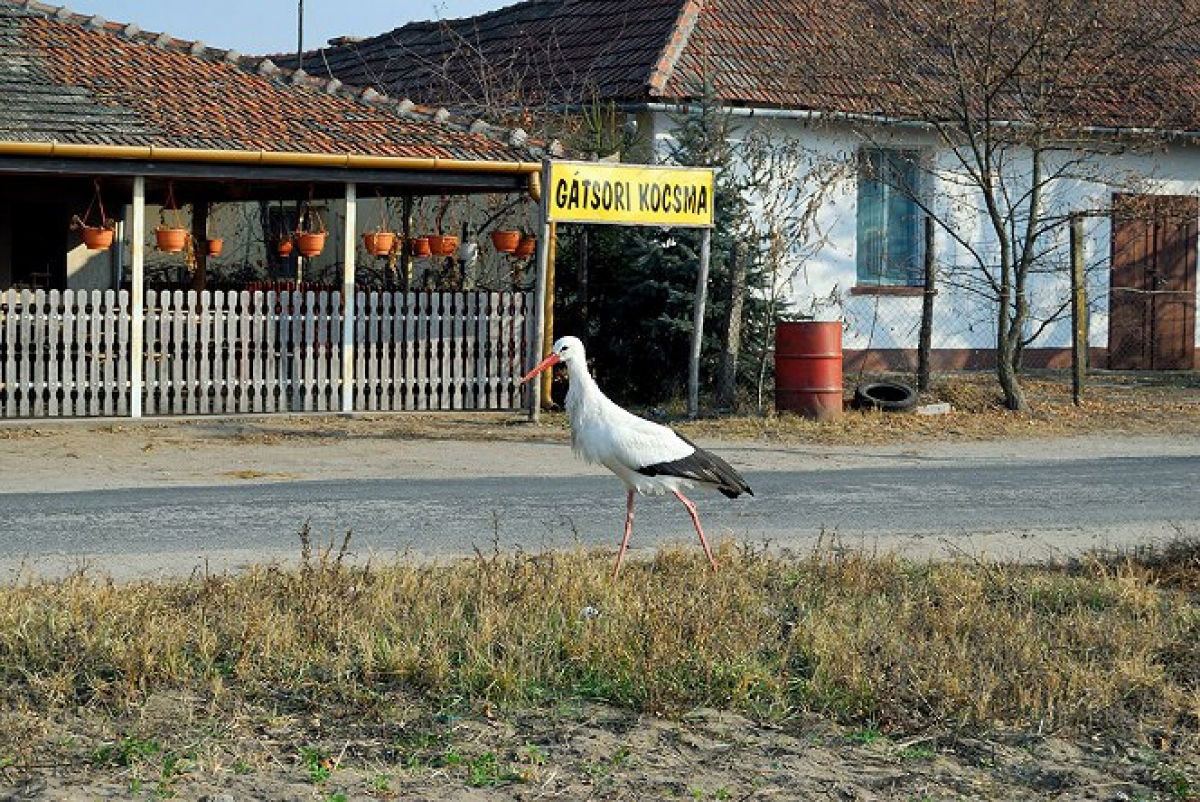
[
  {"x": 734, "y": 492},
  {"x": 702, "y": 466}
]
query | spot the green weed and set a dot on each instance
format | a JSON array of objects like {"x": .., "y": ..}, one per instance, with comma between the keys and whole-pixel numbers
[
  {"x": 127, "y": 751},
  {"x": 317, "y": 764},
  {"x": 485, "y": 771}
]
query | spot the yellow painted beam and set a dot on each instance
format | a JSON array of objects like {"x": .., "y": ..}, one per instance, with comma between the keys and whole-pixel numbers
[{"x": 265, "y": 157}]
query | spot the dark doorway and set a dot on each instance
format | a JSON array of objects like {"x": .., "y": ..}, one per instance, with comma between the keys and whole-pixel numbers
[
  {"x": 1152, "y": 298},
  {"x": 40, "y": 234}
]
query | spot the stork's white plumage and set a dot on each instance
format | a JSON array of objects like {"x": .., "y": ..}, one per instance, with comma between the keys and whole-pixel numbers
[{"x": 649, "y": 458}]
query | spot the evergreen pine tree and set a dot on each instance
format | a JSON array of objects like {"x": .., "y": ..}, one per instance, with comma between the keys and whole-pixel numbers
[{"x": 642, "y": 281}]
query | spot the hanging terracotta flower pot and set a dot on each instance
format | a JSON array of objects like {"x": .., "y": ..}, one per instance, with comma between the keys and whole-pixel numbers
[
  {"x": 443, "y": 244},
  {"x": 170, "y": 240},
  {"x": 506, "y": 240},
  {"x": 382, "y": 241},
  {"x": 435, "y": 244},
  {"x": 526, "y": 246},
  {"x": 310, "y": 232},
  {"x": 213, "y": 246},
  {"x": 419, "y": 246},
  {"x": 284, "y": 248},
  {"x": 172, "y": 237},
  {"x": 379, "y": 243},
  {"x": 310, "y": 243},
  {"x": 97, "y": 238}
]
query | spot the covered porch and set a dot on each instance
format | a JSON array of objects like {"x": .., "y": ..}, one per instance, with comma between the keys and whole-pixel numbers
[
  {"x": 112, "y": 127},
  {"x": 130, "y": 330}
]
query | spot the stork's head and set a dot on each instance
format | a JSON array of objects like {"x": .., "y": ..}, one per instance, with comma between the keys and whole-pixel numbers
[{"x": 568, "y": 350}]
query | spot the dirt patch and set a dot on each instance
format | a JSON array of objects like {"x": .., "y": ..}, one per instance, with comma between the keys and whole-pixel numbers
[{"x": 578, "y": 751}]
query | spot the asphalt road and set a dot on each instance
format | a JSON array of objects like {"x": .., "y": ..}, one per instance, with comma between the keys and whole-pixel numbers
[{"x": 1026, "y": 508}]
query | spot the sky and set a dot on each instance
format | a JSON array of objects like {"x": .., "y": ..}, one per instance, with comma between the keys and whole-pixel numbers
[{"x": 269, "y": 26}]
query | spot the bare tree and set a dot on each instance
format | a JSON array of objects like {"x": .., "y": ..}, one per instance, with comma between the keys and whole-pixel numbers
[
  {"x": 1023, "y": 97},
  {"x": 790, "y": 183}
]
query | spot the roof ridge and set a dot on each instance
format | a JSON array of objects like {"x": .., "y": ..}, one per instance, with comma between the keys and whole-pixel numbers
[
  {"x": 681, "y": 32},
  {"x": 353, "y": 41},
  {"x": 264, "y": 66}
]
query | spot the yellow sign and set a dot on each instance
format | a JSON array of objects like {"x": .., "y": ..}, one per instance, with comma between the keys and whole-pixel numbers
[{"x": 630, "y": 194}]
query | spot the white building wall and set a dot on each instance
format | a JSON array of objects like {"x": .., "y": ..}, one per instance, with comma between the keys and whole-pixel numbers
[{"x": 821, "y": 272}]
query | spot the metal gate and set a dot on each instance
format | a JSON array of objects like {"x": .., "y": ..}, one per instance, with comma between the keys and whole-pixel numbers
[{"x": 1152, "y": 297}]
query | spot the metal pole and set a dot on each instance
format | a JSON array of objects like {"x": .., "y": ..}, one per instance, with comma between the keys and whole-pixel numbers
[
  {"x": 349, "y": 299},
  {"x": 698, "y": 325},
  {"x": 1079, "y": 333},
  {"x": 136, "y": 297},
  {"x": 538, "y": 328},
  {"x": 300, "y": 36}
]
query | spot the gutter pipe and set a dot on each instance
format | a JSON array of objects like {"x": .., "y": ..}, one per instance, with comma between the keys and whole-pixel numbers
[
  {"x": 883, "y": 119},
  {"x": 264, "y": 157}
]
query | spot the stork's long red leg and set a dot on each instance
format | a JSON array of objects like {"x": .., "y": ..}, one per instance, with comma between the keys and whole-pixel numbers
[
  {"x": 691, "y": 508},
  {"x": 628, "y": 531}
]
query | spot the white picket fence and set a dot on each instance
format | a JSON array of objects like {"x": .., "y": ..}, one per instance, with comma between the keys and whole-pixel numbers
[{"x": 68, "y": 353}]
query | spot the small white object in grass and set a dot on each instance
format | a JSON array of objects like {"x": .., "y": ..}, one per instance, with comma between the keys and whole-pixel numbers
[
  {"x": 589, "y": 612},
  {"x": 934, "y": 409}
]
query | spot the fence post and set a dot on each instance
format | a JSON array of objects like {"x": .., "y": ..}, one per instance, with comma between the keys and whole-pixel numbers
[
  {"x": 137, "y": 297},
  {"x": 349, "y": 299},
  {"x": 1079, "y": 325},
  {"x": 925, "y": 343}
]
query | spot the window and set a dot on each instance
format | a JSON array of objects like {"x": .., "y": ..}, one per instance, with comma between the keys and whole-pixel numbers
[{"x": 889, "y": 220}]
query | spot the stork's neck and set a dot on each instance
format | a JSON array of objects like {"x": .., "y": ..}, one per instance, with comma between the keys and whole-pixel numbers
[{"x": 584, "y": 396}]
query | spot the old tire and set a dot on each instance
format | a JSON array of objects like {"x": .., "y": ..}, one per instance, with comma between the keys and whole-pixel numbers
[{"x": 885, "y": 396}]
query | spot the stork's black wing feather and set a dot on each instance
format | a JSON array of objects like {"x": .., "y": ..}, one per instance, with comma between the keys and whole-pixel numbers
[{"x": 701, "y": 466}]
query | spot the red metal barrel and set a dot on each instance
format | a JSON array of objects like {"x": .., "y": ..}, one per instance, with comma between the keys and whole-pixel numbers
[{"x": 808, "y": 369}]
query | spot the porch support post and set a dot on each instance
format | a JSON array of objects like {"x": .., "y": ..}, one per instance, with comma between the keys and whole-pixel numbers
[
  {"x": 349, "y": 301},
  {"x": 537, "y": 329},
  {"x": 137, "y": 302},
  {"x": 698, "y": 324},
  {"x": 199, "y": 240}
]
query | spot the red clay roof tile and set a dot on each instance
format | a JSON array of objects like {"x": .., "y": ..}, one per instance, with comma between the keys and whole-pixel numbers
[
  {"x": 75, "y": 79},
  {"x": 848, "y": 56}
]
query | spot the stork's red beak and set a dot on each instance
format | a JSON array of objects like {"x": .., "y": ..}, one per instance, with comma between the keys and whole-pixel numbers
[{"x": 549, "y": 362}]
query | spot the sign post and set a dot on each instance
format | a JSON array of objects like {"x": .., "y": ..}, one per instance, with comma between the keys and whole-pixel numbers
[
  {"x": 539, "y": 302},
  {"x": 608, "y": 193}
]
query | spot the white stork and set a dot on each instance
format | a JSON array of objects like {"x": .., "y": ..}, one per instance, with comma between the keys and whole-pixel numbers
[{"x": 649, "y": 458}]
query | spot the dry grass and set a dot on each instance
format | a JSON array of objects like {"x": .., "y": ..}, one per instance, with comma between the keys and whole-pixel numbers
[
  {"x": 1113, "y": 404},
  {"x": 1103, "y": 644}
]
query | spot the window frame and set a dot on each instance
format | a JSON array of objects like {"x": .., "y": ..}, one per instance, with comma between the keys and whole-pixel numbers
[{"x": 882, "y": 245}]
